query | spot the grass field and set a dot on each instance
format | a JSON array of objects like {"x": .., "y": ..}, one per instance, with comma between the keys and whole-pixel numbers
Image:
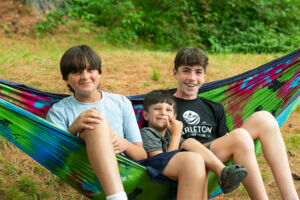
[{"x": 35, "y": 62}]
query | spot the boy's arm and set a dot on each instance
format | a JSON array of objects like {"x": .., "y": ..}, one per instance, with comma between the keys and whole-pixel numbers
[
  {"x": 131, "y": 144},
  {"x": 135, "y": 150},
  {"x": 175, "y": 128},
  {"x": 56, "y": 116}
]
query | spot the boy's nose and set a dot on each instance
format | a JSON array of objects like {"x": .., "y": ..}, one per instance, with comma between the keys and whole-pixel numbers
[
  {"x": 84, "y": 74},
  {"x": 192, "y": 76},
  {"x": 164, "y": 112}
]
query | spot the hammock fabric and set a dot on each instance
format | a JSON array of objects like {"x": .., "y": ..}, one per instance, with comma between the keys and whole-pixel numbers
[{"x": 273, "y": 87}]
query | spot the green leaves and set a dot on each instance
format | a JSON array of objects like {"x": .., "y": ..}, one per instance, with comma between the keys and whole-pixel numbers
[{"x": 260, "y": 26}]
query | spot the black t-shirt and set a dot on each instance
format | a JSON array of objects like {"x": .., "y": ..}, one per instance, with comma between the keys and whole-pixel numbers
[{"x": 202, "y": 119}]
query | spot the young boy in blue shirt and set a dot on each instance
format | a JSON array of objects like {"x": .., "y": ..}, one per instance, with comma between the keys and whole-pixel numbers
[
  {"x": 105, "y": 121},
  {"x": 163, "y": 134}
]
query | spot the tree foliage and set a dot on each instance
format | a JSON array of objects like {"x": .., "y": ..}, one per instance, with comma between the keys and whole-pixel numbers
[{"x": 218, "y": 26}]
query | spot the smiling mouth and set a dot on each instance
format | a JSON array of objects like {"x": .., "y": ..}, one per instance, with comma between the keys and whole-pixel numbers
[
  {"x": 164, "y": 119},
  {"x": 191, "y": 85},
  {"x": 85, "y": 83}
]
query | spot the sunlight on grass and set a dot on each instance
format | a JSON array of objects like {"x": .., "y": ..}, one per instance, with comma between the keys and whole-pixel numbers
[{"x": 293, "y": 141}]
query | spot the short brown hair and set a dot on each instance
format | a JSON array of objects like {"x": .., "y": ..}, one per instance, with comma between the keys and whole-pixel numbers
[
  {"x": 190, "y": 56},
  {"x": 75, "y": 60},
  {"x": 159, "y": 96}
]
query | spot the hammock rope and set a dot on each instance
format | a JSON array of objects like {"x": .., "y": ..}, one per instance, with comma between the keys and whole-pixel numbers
[{"x": 273, "y": 87}]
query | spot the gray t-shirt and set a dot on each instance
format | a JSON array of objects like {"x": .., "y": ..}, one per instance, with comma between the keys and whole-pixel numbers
[{"x": 154, "y": 141}]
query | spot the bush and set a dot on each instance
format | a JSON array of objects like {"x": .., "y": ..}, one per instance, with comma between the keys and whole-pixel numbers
[{"x": 256, "y": 26}]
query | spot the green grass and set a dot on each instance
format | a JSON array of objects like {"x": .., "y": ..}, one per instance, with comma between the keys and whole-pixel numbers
[
  {"x": 155, "y": 75},
  {"x": 293, "y": 142}
]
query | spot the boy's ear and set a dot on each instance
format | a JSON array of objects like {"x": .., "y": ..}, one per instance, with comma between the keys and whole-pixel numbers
[
  {"x": 174, "y": 72},
  {"x": 175, "y": 116},
  {"x": 145, "y": 115}
]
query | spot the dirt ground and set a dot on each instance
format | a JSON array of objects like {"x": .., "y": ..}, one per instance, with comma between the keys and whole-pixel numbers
[{"x": 17, "y": 19}]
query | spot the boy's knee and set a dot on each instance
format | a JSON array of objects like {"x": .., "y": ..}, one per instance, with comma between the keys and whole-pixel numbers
[
  {"x": 263, "y": 119},
  {"x": 192, "y": 162},
  {"x": 186, "y": 166},
  {"x": 242, "y": 140},
  {"x": 100, "y": 130},
  {"x": 196, "y": 166},
  {"x": 262, "y": 115}
]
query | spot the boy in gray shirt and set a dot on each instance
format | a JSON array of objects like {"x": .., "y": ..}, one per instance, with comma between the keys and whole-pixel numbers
[{"x": 163, "y": 136}]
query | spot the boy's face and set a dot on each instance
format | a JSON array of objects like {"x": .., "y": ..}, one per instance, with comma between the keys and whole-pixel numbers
[
  {"x": 189, "y": 80},
  {"x": 84, "y": 83},
  {"x": 158, "y": 115}
]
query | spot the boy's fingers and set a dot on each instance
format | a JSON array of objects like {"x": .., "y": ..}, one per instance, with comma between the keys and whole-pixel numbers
[
  {"x": 168, "y": 123},
  {"x": 92, "y": 119},
  {"x": 115, "y": 139},
  {"x": 117, "y": 151},
  {"x": 87, "y": 127},
  {"x": 171, "y": 120},
  {"x": 97, "y": 115},
  {"x": 101, "y": 116},
  {"x": 97, "y": 121}
]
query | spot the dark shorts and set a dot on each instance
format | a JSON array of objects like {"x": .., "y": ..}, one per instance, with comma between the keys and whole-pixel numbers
[{"x": 156, "y": 164}]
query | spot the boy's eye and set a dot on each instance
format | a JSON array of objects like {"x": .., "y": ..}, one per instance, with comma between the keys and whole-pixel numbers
[{"x": 90, "y": 69}]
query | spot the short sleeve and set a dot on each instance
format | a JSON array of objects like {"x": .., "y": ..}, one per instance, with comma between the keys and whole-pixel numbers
[
  {"x": 222, "y": 128},
  {"x": 151, "y": 141},
  {"x": 130, "y": 126},
  {"x": 56, "y": 116}
]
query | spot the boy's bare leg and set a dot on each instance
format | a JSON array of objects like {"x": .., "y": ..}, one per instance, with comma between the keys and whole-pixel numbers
[
  {"x": 262, "y": 125},
  {"x": 205, "y": 193},
  {"x": 102, "y": 157},
  {"x": 211, "y": 161},
  {"x": 188, "y": 169},
  {"x": 239, "y": 145}
]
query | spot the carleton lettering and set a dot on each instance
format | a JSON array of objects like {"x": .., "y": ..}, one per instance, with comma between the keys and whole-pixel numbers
[{"x": 197, "y": 129}]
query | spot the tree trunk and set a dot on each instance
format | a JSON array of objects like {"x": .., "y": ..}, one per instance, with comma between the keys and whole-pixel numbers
[{"x": 43, "y": 5}]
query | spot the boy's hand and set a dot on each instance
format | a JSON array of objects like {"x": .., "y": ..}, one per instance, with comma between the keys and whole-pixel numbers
[
  {"x": 174, "y": 126},
  {"x": 86, "y": 120},
  {"x": 120, "y": 144}
]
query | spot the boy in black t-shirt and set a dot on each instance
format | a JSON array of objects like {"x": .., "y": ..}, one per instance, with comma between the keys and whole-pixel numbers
[
  {"x": 205, "y": 121},
  {"x": 163, "y": 134}
]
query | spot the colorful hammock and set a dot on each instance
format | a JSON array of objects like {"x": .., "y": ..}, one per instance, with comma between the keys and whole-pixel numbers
[{"x": 273, "y": 87}]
